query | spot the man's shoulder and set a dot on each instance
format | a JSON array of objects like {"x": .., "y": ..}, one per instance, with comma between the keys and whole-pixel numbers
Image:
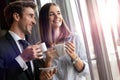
[{"x": 3, "y": 39}]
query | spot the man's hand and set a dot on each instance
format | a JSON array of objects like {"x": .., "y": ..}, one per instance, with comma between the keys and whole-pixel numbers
[{"x": 32, "y": 52}]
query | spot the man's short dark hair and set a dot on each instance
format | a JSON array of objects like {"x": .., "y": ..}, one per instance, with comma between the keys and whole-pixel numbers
[{"x": 16, "y": 7}]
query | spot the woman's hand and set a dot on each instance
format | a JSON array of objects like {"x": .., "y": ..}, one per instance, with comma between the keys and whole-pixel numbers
[
  {"x": 70, "y": 49},
  {"x": 47, "y": 75},
  {"x": 50, "y": 55}
]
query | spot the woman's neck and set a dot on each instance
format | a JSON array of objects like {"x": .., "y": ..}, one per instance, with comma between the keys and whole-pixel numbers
[{"x": 56, "y": 33}]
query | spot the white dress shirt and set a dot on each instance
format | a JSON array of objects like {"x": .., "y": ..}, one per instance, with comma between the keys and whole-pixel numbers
[{"x": 19, "y": 58}]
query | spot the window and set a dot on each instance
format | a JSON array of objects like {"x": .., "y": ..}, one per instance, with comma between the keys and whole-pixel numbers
[{"x": 97, "y": 22}]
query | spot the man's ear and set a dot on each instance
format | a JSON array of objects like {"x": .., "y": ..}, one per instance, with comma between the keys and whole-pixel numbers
[{"x": 16, "y": 16}]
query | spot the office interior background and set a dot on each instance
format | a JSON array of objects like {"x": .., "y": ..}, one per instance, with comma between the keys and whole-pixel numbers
[{"x": 98, "y": 24}]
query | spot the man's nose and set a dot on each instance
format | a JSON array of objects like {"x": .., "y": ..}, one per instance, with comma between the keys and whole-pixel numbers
[{"x": 34, "y": 21}]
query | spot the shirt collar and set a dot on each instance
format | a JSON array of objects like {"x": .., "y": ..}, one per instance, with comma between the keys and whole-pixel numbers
[{"x": 15, "y": 36}]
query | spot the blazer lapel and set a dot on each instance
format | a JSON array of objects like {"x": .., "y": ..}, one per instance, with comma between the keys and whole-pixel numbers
[
  {"x": 13, "y": 43},
  {"x": 17, "y": 52}
]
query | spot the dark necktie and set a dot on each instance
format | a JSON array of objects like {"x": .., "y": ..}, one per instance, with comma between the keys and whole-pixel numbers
[{"x": 24, "y": 43}]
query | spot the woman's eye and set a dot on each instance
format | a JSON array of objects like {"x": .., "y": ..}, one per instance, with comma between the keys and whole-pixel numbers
[{"x": 51, "y": 14}]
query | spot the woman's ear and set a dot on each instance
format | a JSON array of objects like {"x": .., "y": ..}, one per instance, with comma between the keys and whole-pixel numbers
[{"x": 16, "y": 16}]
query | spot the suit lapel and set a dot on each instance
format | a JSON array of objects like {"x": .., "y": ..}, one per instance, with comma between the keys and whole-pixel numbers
[
  {"x": 13, "y": 43},
  {"x": 17, "y": 52}
]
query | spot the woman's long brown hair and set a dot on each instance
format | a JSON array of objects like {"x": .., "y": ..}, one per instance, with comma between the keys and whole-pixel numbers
[{"x": 46, "y": 30}]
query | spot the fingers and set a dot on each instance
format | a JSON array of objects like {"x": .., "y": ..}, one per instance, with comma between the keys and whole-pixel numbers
[
  {"x": 32, "y": 52},
  {"x": 55, "y": 70},
  {"x": 37, "y": 52},
  {"x": 47, "y": 75},
  {"x": 51, "y": 53},
  {"x": 70, "y": 47}
]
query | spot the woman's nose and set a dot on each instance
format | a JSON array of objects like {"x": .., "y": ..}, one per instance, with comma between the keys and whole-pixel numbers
[{"x": 56, "y": 15}]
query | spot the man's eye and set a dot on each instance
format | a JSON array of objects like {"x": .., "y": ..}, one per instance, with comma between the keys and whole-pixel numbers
[
  {"x": 31, "y": 15},
  {"x": 59, "y": 13}
]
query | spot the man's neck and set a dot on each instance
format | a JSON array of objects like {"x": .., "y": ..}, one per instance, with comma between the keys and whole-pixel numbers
[
  {"x": 14, "y": 28},
  {"x": 19, "y": 34}
]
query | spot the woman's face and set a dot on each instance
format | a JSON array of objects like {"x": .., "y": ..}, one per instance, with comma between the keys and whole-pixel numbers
[{"x": 55, "y": 16}]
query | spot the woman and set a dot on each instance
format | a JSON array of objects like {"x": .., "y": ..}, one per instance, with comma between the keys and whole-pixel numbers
[{"x": 53, "y": 30}]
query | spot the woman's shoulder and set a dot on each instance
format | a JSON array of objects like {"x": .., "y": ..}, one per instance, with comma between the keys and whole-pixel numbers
[{"x": 72, "y": 36}]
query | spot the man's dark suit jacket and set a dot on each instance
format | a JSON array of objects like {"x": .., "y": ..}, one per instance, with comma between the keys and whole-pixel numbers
[{"x": 9, "y": 67}]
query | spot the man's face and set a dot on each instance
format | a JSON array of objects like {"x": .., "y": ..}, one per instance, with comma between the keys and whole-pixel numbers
[{"x": 27, "y": 21}]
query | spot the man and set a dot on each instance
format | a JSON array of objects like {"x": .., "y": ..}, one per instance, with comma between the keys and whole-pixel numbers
[{"x": 20, "y": 18}]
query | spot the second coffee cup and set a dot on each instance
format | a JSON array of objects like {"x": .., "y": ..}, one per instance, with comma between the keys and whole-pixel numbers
[{"x": 60, "y": 48}]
